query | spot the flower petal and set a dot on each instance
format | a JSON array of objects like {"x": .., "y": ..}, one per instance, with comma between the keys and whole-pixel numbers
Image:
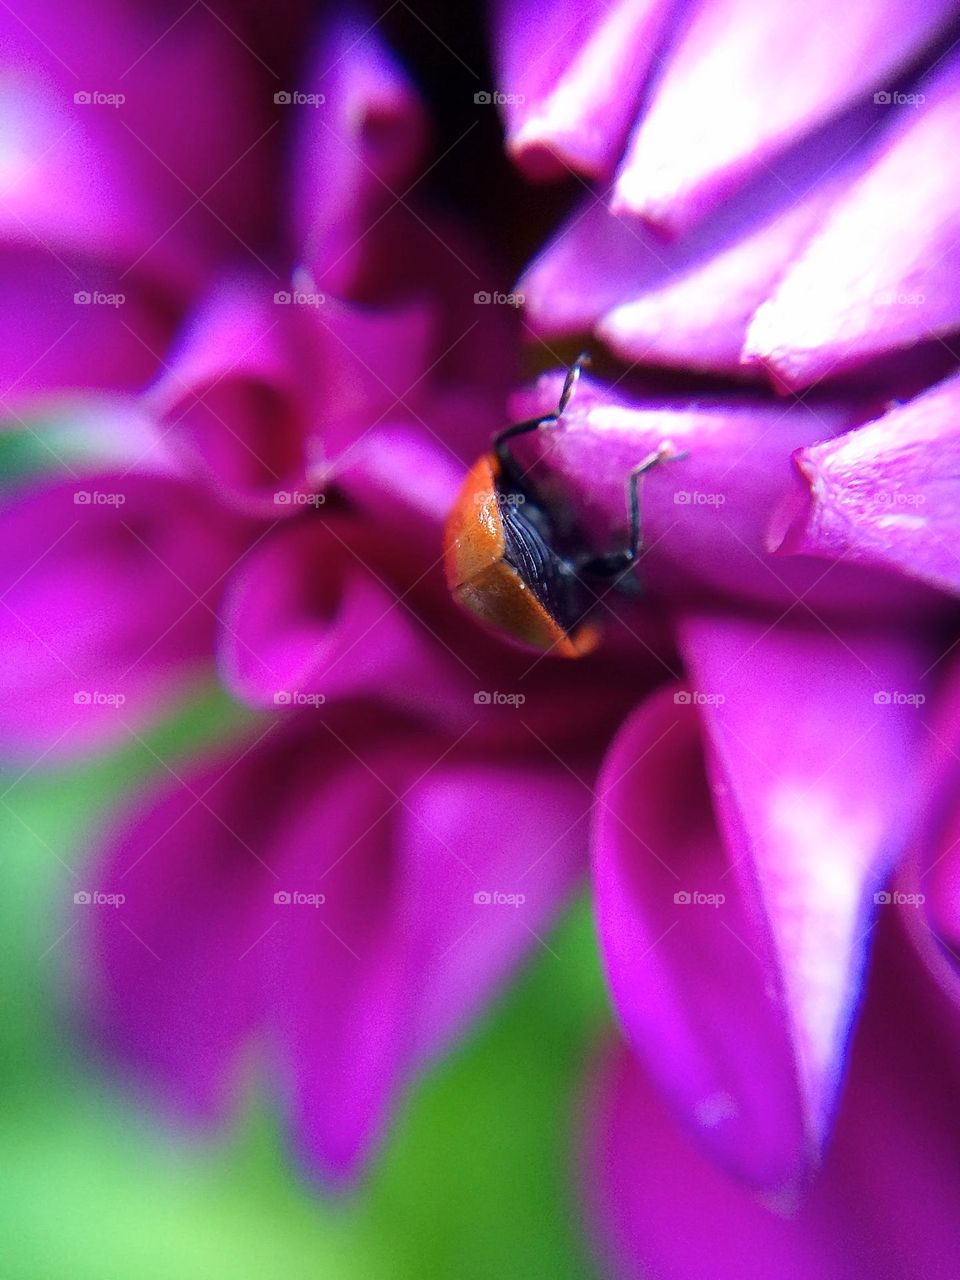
[
  {"x": 705, "y": 516},
  {"x": 110, "y": 586},
  {"x": 689, "y": 302},
  {"x": 885, "y": 494},
  {"x": 324, "y": 888},
  {"x": 572, "y": 75},
  {"x": 356, "y": 152},
  {"x": 232, "y": 399},
  {"x": 882, "y": 1206},
  {"x": 862, "y": 287},
  {"x": 809, "y": 758},
  {"x": 745, "y": 81},
  {"x": 430, "y": 912},
  {"x": 313, "y": 614},
  {"x": 925, "y": 891}
]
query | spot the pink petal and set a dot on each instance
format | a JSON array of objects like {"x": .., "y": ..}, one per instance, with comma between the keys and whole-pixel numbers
[
  {"x": 884, "y": 494},
  {"x": 417, "y": 950},
  {"x": 356, "y": 152},
  {"x": 706, "y": 516},
  {"x": 572, "y": 75},
  {"x": 232, "y": 399},
  {"x": 110, "y": 589},
  {"x": 742, "y": 1008},
  {"x": 863, "y": 287},
  {"x": 118, "y": 178},
  {"x": 925, "y": 892},
  {"x": 64, "y": 327},
  {"x": 375, "y": 951},
  {"x": 744, "y": 81},
  {"x": 689, "y": 302},
  {"x": 315, "y": 611},
  {"x": 882, "y": 1206}
]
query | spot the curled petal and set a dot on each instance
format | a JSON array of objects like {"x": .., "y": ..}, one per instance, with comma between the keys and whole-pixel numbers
[
  {"x": 883, "y": 1204},
  {"x": 863, "y": 286},
  {"x": 356, "y": 153},
  {"x": 744, "y": 81},
  {"x": 233, "y": 402},
  {"x": 689, "y": 302},
  {"x": 312, "y": 614},
  {"x": 785, "y": 841},
  {"x": 678, "y": 966},
  {"x": 885, "y": 494},
  {"x": 572, "y": 75}
]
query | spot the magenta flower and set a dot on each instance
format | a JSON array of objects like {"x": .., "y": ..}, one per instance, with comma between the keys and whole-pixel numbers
[
  {"x": 759, "y": 764},
  {"x": 752, "y": 221},
  {"x": 271, "y": 508}
]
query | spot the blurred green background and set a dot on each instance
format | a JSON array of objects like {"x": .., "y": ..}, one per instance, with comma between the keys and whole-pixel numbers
[{"x": 478, "y": 1179}]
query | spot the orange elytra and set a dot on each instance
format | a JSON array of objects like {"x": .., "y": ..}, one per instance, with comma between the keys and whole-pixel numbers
[{"x": 501, "y": 556}]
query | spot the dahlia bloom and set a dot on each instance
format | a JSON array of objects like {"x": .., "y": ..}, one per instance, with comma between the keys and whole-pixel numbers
[
  {"x": 269, "y": 509},
  {"x": 760, "y": 760},
  {"x": 806, "y": 241}
]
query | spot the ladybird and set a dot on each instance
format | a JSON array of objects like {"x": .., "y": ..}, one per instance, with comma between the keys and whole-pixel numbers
[{"x": 506, "y": 561}]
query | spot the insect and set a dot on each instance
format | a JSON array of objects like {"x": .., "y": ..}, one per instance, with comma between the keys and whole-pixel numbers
[{"x": 506, "y": 560}]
